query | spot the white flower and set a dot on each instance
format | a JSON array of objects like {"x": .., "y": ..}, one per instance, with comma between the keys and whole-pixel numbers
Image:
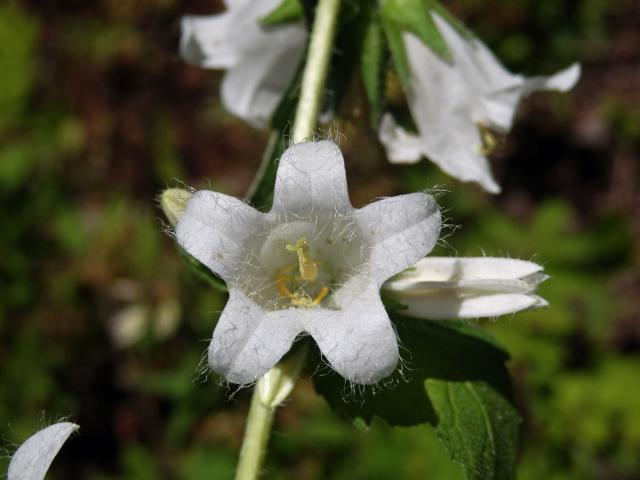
[
  {"x": 32, "y": 460},
  {"x": 261, "y": 61},
  {"x": 312, "y": 264},
  {"x": 455, "y": 103},
  {"x": 438, "y": 288}
]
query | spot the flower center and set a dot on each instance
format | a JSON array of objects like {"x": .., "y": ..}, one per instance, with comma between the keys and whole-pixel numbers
[{"x": 295, "y": 285}]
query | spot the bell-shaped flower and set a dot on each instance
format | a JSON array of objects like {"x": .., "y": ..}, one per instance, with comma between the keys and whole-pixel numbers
[
  {"x": 260, "y": 60},
  {"x": 313, "y": 264},
  {"x": 456, "y": 103},
  {"x": 32, "y": 460},
  {"x": 439, "y": 288}
]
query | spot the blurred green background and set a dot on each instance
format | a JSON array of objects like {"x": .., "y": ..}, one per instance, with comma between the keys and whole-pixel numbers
[{"x": 100, "y": 321}]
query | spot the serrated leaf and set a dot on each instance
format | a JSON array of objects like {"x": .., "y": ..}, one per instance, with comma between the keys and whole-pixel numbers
[
  {"x": 444, "y": 362},
  {"x": 287, "y": 11},
  {"x": 477, "y": 426},
  {"x": 372, "y": 67}
]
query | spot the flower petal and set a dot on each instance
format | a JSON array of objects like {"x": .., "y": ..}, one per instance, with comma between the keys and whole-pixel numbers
[
  {"x": 32, "y": 460},
  {"x": 311, "y": 178},
  {"x": 448, "y": 287},
  {"x": 254, "y": 87},
  {"x": 214, "y": 228},
  {"x": 400, "y": 145},
  {"x": 358, "y": 340},
  {"x": 401, "y": 230},
  {"x": 248, "y": 341},
  {"x": 204, "y": 40},
  {"x": 448, "y": 305}
]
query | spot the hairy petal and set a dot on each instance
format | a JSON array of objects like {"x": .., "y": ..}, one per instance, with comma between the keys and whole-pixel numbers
[
  {"x": 32, "y": 460},
  {"x": 401, "y": 230},
  {"x": 213, "y": 229},
  {"x": 447, "y": 287},
  {"x": 358, "y": 339},
  {"x": 248, "y": 340},
  {"x": 311, "y": 178}
]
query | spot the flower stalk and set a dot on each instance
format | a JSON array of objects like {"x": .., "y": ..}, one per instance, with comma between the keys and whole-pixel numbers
[{"x": 263, "y": 402}]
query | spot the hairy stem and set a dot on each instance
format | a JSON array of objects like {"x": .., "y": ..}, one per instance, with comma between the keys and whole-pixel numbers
[
  {"x": 265, "y": 399},
  {"x": 315, "y": 70}
]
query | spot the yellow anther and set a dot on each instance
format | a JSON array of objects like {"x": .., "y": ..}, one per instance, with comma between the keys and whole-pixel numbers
[
  {"x": 488, "y": 138},
  {"x": 324, "y": 291},
  {"x": 308, "y": 267}
]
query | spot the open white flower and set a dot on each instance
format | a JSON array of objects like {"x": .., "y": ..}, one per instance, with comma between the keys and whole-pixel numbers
[
  {"x": 312, "y": 264},
  {"x": 261, "y": 61},
  {"x": 438, "y": 288},
  {"x": 32, "y": 460},
  {"x": 455, "y": 103}
]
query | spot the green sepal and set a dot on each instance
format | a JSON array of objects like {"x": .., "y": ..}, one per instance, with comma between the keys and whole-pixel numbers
[
  {"x": 203, "y": 272},
  {"x": 450, "y": 357},
  {"x": 372, "y": 59},
  {"x": 414, "y": 16},
  {"x": 288, "y": 11}
]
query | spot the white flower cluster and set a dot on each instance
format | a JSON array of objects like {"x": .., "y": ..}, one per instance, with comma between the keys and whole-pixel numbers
[{"x": 314, "y": 265}]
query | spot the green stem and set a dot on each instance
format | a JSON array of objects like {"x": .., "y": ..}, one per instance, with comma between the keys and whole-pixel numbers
[
  {"x": 261, "y": 413},
  {"x": 315, "y": 70},
  {"x": 256, "y": 437}
]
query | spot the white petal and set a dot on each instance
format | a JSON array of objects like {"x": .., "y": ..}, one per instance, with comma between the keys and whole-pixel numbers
[
  {"x": 400, "y": 145},
  {"x": 205, "y": 41},
  {"x": 441, "y": 101},
  {"x": 450, "y": 306},
  {"x": 432, "y": 269},
  {"x": 448, "y": 287},
  {"x": 358, "y": 340},
  {"x": 214, "y": 228},
  {"x": 33, "y": 458},
  {"x": 311, "y": 178},
  {"x": 254, "y": 87},
  {"x": 248, "y": 341},
  {"x": 401, "y": 230}
]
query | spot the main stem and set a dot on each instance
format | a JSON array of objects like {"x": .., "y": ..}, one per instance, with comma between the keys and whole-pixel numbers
[
  {"x": 260, "y": 419},
  {"x": 315, "y": 70}
]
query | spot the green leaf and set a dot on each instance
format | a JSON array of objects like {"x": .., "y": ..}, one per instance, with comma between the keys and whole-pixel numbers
[
  {"x": 372, "y": 67},
  {"x": 287, "y": 11},
  {"x": 203, "y": 272},
  {"x": 477, "y": 426},
  {"x": 470, "y": 367}
]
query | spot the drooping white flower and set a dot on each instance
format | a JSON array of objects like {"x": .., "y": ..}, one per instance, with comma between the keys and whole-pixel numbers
[
  {"x": 438, "y": 288},
  {"x": 455, "y": 103},
  {"x": 32, "y": 460},
  {"x": 312, "y": 264},
  {"x": 261, "y": 61}
]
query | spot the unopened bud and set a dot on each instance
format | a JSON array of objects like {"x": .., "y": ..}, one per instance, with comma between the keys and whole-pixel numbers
[{"x": 174, "y": 202}]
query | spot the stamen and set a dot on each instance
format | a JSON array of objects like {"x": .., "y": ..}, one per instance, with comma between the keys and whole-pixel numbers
[
  {"x": 488, "y": 138},
  {"x": 308, "y": 267}
]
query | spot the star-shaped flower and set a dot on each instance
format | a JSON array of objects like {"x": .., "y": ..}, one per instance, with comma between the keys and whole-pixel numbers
[
  {"x": 438, "y": 288},
  {"x": 32, "y": 460},
  {"x": 260, "y": 61},
  {"x": 456, "y": 103},
  {"x": 313, "y": 264}
]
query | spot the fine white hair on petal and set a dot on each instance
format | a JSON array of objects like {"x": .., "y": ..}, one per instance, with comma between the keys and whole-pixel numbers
[
  {"x": 357, "y": 339},
  {"x": 248, "y": 340},
  {"x": 401, "y": 230},
  {"x": 213, "y": 229},
  {"x": 311, "y": 177},
  {"x": 32, "y": 460}
]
